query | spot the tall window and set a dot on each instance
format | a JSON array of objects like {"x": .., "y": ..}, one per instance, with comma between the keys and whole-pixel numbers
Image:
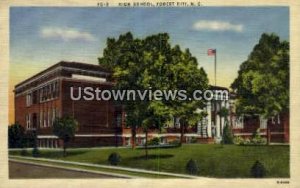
[
  {"x": 41, "y": 94},
  {"x": 263, "y": 122},
  {"x": 49, "y": 92},
  {"x": 34, "y": 97},
  {"x": 28, "y": 121},
  {"x": 28, "y": 99},
  {"x": 41, "y": 118},
  {"x": 54, "y": 90},
  {"x": 49, "y": 117},
  {"x": 45, "y": 119},
  {"x": 53, "y": 114}
]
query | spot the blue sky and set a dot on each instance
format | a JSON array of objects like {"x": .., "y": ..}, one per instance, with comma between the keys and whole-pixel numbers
[{"x": 40, "y": 37}]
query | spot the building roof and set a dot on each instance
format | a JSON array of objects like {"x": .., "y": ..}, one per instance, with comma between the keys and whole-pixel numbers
[{"x": 70, "y": 64}]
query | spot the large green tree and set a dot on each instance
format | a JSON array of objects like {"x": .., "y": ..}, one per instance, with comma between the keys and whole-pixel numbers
[
  {"x": 123, "y": 57},
  {"x": 16, "y": 135},
  {"x": 65, "y": 128},
  {"x": 152, "y": 63},
  {"x": 262, "y": 85}
]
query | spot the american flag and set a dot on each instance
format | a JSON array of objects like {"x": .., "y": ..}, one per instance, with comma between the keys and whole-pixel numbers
[{"x": 211, "y": 52}]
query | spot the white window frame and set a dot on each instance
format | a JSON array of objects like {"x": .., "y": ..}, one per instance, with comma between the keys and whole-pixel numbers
[
  {"x": 41, "y": 118},
  {"x": 29, "y": 99},
  {"x": 28, "y": 121}
]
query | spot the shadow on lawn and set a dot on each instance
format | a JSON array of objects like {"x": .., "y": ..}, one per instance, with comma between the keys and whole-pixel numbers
[
  {"x": 151, "y": 156},
  {"x": 59, "y": 154}
]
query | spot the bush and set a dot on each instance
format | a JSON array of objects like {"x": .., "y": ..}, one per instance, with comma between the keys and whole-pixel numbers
[
  {"x": 227, "y": 137},
  {"x": 35, "y": 152},
  {"x": 154, "y": 142},
  {"x": 257, "y": 139},
  {"x": 114, "y": 159},
  {"x": 192, "y": 167},
  {"x": 238, "y": 140},
  {"x": 30, "y": 139},
  {"x": 16, "y": 134},
  {"x": 258, "y": 170}
]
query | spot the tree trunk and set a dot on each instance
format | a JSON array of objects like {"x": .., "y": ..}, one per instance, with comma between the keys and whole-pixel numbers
[
  {"x": 182, "y": 127},
  {"x": 268, "y": 135},
  {"x": 65, "y": 148},
  {"x": 146, "y": 143},
  {"x": 133, "y": 137}
]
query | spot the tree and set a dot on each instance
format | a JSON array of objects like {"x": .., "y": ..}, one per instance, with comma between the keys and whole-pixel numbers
[
  {"x": 223, "y": 113},
  {"x": 262, "y": 85},
  {"x": 65, "y": 128},
  {"x": 16, "y": 134},
  {"x": 258, "y": 170},
  {"x": 114, "y": 158},
  {"x": 141, "y": 64},
  {"x": 192, "y": 167},
  {"x": 123, "y": 57},
  {"x": 227, "y": 137}
]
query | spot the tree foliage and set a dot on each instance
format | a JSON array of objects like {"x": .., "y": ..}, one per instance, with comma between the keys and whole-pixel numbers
[
  {"x": 16, "y": 134},
  {"x": 227, "y": 137},
  {"x": 152, "y": 63},
  {"x": 18, "y": 137},
  {"x": 262, "y": 85},
  {"x": 65, "y": 128},
  {"x": 114, "y": 158},
  {"x": 192, "y": 167},
  {"x": 258, "y": 170}
]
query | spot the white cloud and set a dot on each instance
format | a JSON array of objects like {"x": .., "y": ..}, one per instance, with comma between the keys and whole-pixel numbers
[
  {"x": 66, "y": 34},
  {"x": 213, "y": 25}
]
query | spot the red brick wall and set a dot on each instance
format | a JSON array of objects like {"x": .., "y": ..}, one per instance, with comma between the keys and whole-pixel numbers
[{"x": 94, "y": 116}]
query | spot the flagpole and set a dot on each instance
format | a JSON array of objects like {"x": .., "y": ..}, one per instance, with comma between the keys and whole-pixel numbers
[
  {"x": 215, "y": 67},
  {"x": 215, "y": 104}
]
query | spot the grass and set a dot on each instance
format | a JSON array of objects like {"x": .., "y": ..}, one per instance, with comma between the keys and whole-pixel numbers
[{"x": 228, "y": 161}]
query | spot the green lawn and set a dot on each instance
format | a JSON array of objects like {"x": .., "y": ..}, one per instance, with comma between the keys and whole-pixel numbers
[{"x": 228, "y": 161}]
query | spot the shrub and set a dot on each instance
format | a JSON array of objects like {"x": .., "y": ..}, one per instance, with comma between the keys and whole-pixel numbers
[
  {"x": 16, "y": 134},
  {"x": 257, "y": 139},
  {"x": 238, "y": 140},
  {"x": 192, "y": 167},
  {"x": 154, "y": 142},
  {"x": 253, "y": 141},
  {"x": 35, "y": 152},
  {"x": 258, "y": 170},
  {"x": 227, "y": 137},
  {"x": 247, "y": 141},
  {"x": 30, "y": 139},
  {"x": 114, "y": 159}
]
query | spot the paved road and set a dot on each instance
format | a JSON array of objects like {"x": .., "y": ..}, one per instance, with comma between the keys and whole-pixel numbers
[{"x": 21, "y": 170}]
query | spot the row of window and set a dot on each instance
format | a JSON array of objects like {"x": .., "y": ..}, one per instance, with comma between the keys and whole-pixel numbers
[
  {"x": 44, "y": 119},
  {"x": 45, "y": 93},
  {"x": 49, "y": 91}
]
